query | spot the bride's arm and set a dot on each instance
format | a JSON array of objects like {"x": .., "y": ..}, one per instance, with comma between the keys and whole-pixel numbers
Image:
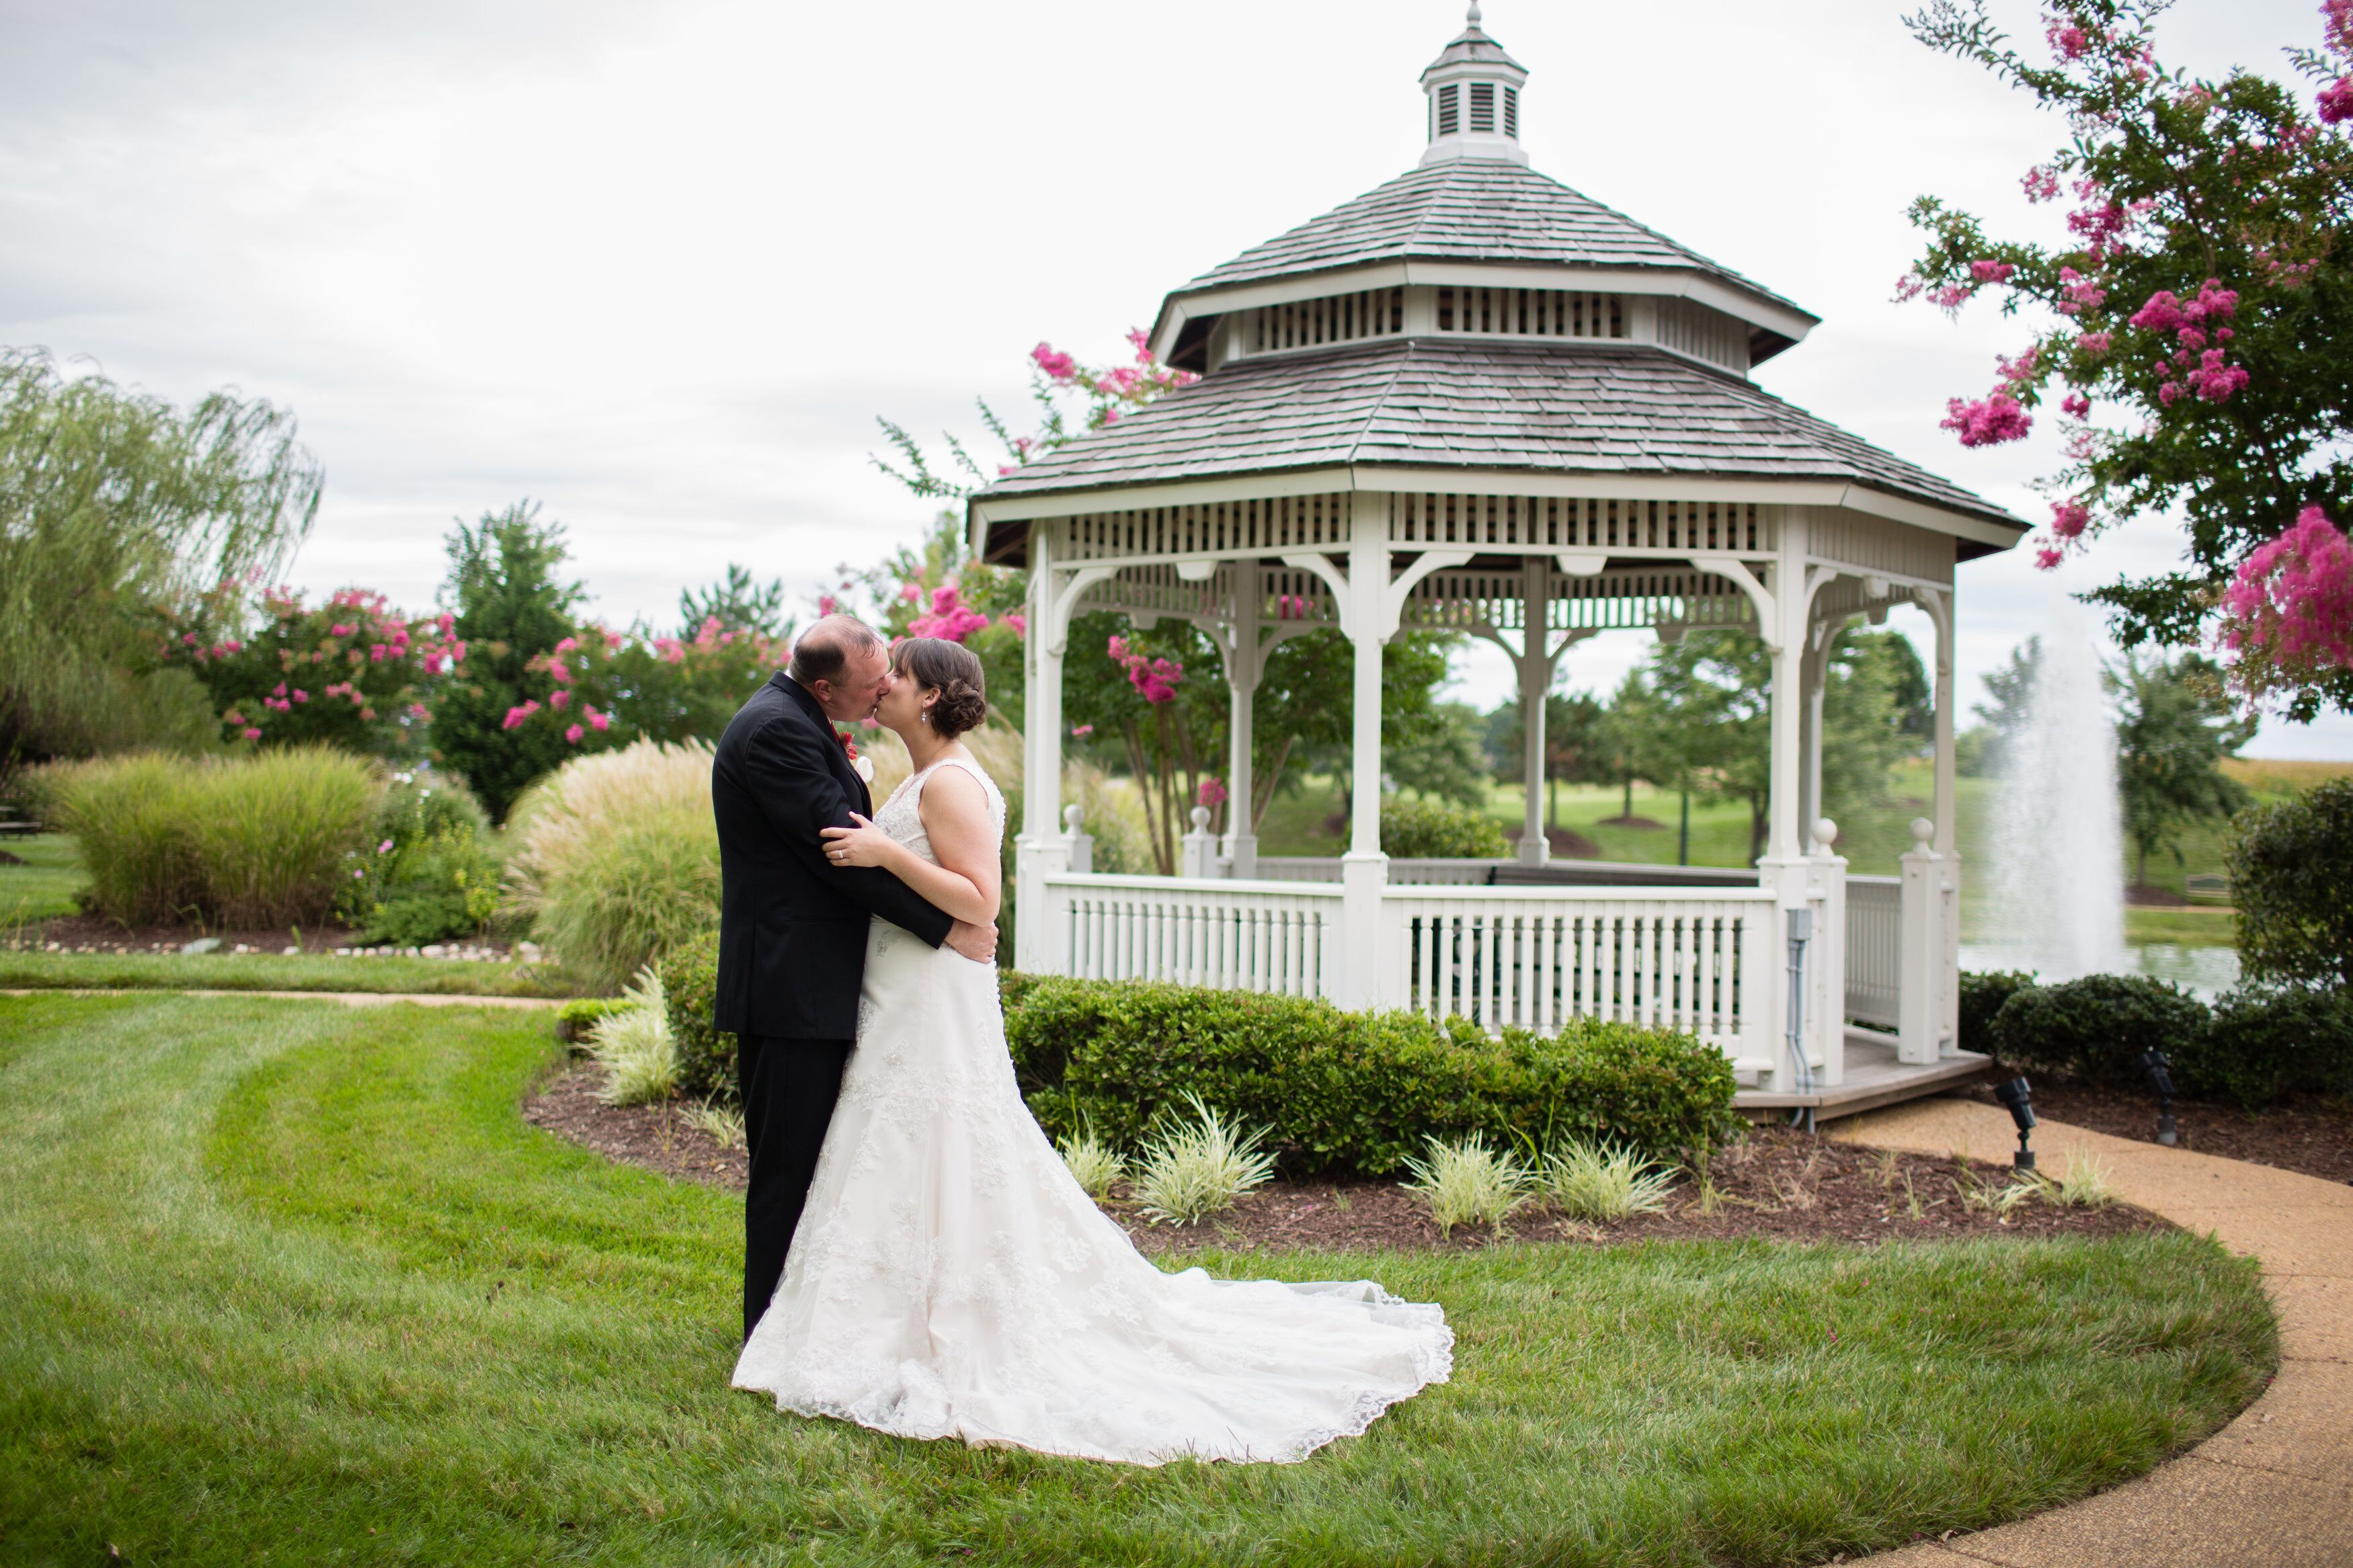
[{"x": 967, "y": 882}]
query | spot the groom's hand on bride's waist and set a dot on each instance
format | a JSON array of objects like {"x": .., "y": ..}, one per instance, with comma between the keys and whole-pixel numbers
[{"x": 976, "y": 943}]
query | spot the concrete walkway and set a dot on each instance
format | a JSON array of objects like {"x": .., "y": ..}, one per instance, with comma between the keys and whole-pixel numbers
[
  {"x": 2272, "y": 1490},
  {"x": 352, "y": 998}
]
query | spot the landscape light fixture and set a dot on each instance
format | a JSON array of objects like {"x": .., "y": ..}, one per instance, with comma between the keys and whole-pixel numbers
[
  {"x": 2161, "y": 1080},
  {"x": 2018, "y": 1096}
]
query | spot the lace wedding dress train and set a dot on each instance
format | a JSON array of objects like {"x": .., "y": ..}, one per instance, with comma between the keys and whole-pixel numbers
[{"x": 950, "y": 1279}]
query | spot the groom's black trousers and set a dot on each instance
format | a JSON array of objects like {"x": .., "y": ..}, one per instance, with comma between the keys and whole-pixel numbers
[{"x": 789, "y": 1087}]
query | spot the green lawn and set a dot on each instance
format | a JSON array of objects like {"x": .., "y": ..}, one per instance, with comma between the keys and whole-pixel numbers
[
  {"x": 291, "y": 1282},
  {"x": 276, "y": 972},
  {"x": 44, "y": 887}
]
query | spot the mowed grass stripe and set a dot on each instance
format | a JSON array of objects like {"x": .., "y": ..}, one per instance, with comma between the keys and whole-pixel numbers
[{"x": 274, "y": 1275}]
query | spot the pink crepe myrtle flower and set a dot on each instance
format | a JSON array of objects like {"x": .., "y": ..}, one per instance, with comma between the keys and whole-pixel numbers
[
  {"x": 567, "y": 645},
  {"x": 558, "y": 669},
  {"x": 300, "y": 696},
  {"x": 1017, "y": 620},
  {"x": 2075, "y": 405},
  {"x": 599, "y": 720},
  {"x": 418, "y": 712},
  {"x": 341, "y": 629},
  {"x": 1212, "y": 794},
  {"x": 2212, "y": 380},
  {"x": 520, "y": 714},
  {"x": 1951, "y": 297},
  {"x": 559, "y": 697},
  {"x": 672, "y": 651},
  {"x": 1058, "y": 366},
  {"x": 911, "y": 592},
  {"x": 1992, "y": 271},
  {"x": 376, "y": 652},
  {"x": 2069, "y": 519},
  {"x": 827, "y": 604},
  {"x": 1988, "y": 422},
  {"x": 445, "y": 623},
  {"x": 573, "y": 733},
  {"x": 2047, "y": 557},
  {"x": 1081, "y": 732},
  {"x": 2291, "y": 603},
  {"x": 2336, "y": 26},
  {"x": 2096, "y": 343},
  {"x": 1141, "y": 342},
  {"x": 2067, "y": 40},
  {"x": 2080, "y": 293},
  {"x": 2021, "y": 369},
  {"x": 2041, "y": 184},
  {"x": 1117, "y": 647},
  {"x": 2336, "y": 102},
  {"x": 385, "y": 847},
  {"x": 251, "y": 733}
]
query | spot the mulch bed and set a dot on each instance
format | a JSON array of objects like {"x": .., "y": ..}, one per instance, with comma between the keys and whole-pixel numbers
[
  {"x": 2310, "y": 1137},
  {"x": 1780, "y": 1184},
  {"x": 657, "y": 1137}
]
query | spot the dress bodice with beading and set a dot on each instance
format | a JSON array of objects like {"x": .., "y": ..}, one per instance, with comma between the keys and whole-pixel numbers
[{"x": 902, "y": 815}]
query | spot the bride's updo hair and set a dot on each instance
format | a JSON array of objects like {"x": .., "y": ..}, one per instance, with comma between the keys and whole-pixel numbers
[{"x": 953, "y": 671}]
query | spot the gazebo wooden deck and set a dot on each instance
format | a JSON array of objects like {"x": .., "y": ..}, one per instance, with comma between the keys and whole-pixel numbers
[{"x": 1473, "y": 398}]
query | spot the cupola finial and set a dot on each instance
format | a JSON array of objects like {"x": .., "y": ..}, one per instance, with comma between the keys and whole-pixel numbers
[{"x": 1474, "y": 99}]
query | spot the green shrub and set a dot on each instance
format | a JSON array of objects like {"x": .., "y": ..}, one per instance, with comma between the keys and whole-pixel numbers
[
  {"x": 706, "y": 1055},
  {"x": 427, "y": 873},
  {"x": 2267, "y": 1043},
  {"x": 1352, "y": 1092},
  {"x": 1434, "y": 830},
  {"x": 2292, "y": 879},
  {"x": 619, "y": 857},
  {"x": 252, "y": 842},
  {"x": 581, "y": 1014},
  {"x": 2092, "y": 1028},
  {"x": 1981, "y": 997}
]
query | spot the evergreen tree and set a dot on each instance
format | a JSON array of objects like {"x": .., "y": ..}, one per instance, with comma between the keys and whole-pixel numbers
[
  {"x": 2175, "y": 726},
  {"x": 510, "y": 607}
]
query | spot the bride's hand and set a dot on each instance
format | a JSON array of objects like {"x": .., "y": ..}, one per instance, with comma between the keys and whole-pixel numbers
[{"x": 864, "y": 845}]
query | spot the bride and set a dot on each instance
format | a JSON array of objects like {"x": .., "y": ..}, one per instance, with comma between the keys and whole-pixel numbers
[{"x": 949, "y": 1277}]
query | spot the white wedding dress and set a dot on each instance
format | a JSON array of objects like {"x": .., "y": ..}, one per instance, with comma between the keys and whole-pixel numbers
[{"x": 951, "y": 1279}]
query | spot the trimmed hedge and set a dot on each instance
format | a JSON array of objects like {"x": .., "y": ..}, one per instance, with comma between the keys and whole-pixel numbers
[
  {"x": 1352, "y": 1091},
  {"x": 2292, "y": 879},
  {"x": 706, "y": 1055},
  {"x": 1981, "y": 997},
  {"x": 2254, "y": 1046},
  {"x": 1338, "y": 1092},
  {"x": 1435, "y": 830},
  {"x": 2092, "y": 1028},
  {"x": 2265, "y": 1044}
]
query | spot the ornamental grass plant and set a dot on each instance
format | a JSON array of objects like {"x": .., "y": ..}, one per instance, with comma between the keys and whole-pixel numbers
[
  {"x": 245, "y": 843},
  {"x": 1605, "y": 1180},
  {"x": 1466, "y": 1183},
  {"x": 1094, "y": 1164},
  {"x": 1198, "y": 1167},
  {"x": 618, "y": 858},
  {"x": 633, "y": 1045}
]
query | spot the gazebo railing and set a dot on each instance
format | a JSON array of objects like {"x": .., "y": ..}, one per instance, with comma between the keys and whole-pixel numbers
[
  {"x": 1239, "y": 935},
  {"x": 1678, "y": 958},
  {"x": 1874, "y": 951}
]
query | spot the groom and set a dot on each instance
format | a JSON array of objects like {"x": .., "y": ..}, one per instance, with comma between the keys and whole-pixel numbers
[{"x": 792, "y": 925}]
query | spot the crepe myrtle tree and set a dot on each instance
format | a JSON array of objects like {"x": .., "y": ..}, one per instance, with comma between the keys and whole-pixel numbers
[
  {"x": 351, "y": 671},
  {"x": 2189, "y": 326}
]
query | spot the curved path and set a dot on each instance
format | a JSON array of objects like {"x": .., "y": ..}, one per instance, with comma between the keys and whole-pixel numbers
[{"x": 2274, "y": 1488}]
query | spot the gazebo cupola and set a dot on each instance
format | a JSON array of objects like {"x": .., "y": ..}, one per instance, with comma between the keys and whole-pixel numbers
[
  {"x": 1475, "y": 399},
  {"x": 1474, "y": 99}
]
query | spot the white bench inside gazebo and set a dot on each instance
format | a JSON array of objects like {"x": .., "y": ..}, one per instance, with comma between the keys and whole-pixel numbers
[{"x": 1475, "y": 398}]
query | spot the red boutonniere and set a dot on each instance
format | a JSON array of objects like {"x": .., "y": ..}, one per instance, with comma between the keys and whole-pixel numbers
[{"x": 848, "y": 746}]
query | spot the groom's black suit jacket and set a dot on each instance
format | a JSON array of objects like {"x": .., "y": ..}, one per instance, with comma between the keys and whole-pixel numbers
[{"x": 792, "y": 925}]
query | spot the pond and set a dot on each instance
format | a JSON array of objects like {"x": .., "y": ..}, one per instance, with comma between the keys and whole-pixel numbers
[{"x": 2205, "y": 972}]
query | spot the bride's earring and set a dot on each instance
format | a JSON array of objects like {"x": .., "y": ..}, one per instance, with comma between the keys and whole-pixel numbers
[{"x": 925, "y": 716}]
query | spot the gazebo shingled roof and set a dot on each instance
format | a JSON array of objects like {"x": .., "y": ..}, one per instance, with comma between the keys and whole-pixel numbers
[
  {"x": 1470, "y": 210},
  {"x": 1435, "y": 404}
]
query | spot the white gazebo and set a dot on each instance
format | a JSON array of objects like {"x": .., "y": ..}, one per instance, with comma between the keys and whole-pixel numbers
[{"x": 1475, "y": 398}]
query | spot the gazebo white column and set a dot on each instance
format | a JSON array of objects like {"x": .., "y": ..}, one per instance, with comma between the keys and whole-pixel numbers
[
  {"x": 1245, "y": 664},
  {"x": 1038, "y": 850},
  {"x": 1363, "y": 869},
  {"x": 1928, "y": 1025},
  {"x": 1536, "y": 683}
]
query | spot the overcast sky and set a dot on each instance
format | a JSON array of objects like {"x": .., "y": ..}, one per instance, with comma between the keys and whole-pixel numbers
[{"x": 658, "y": 267}]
